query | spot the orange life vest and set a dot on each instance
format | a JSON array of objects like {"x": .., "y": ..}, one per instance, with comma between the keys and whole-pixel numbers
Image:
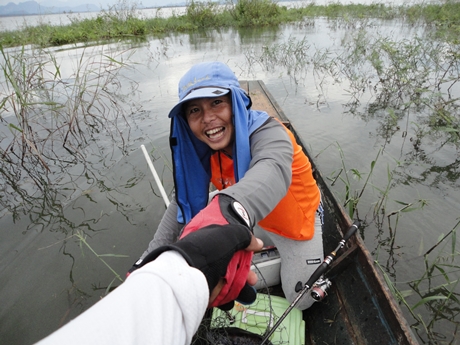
[{"x": 294, "y": 216}]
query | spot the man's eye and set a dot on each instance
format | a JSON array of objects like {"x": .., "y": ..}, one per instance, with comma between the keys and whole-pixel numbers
[{"x": 217, "y": 101}]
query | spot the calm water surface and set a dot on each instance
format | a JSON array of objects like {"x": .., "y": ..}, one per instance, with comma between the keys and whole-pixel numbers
[{"x": 49, "y": 276}]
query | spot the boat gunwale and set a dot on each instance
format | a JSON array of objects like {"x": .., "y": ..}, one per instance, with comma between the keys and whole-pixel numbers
[{"x": 399, "y": 326}]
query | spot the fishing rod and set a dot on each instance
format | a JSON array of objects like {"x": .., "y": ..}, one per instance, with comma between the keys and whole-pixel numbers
[
  {"x": 155, "y": 175},
  {"x": 314, "y": 277}
]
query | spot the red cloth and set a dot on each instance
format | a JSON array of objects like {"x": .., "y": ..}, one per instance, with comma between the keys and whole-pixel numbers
[{"x": 240, "y": 264}]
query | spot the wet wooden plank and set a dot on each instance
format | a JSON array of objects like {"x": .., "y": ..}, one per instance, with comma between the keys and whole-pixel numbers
[{"x": 261, "y": 100}]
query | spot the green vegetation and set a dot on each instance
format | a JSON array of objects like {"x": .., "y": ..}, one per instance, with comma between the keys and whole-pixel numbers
[
  {"x": 50, "y": 107},
  {"x": 398, "y": 76},
  {"x": 124, "y": 20},
  {"x": 83, "y": 243},
  {"x": 409, "y": 86},
  {"x": 436, "y": 289},
  {"x": 432, "y": 299}
]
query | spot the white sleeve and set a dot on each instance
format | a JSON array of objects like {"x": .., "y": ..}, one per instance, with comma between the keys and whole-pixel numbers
[{"x": 160, "y": 303}]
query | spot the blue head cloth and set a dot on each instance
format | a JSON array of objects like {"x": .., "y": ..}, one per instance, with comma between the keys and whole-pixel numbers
[{"x": 191, "y": 157}]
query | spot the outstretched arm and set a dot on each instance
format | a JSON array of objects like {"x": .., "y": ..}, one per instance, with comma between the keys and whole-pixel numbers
[
  {"x": 270, "y": 171},
  {"x": 164, "y": 301}
]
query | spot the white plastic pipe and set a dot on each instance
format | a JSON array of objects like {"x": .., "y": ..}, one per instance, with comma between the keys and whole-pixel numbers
[{"x": 155, "y": 176}]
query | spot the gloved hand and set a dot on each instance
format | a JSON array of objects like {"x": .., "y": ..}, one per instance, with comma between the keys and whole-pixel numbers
[
  {"x": 210, "y": 250},
  {"x": 223, "y": 210}
]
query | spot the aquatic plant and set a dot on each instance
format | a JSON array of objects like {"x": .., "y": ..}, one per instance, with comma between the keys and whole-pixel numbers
[
  {"x": 83, "y": 243},
  {"x": 124, "y": 20},
  {"x": 394, "y": 77},
  {"x": 49, "y": 117},
  {"x": 250, "y": 13},
  {"x": 433, "y": 299},
  {"x": 437, "y": 290},
  {"x": 203, "y": 14}
]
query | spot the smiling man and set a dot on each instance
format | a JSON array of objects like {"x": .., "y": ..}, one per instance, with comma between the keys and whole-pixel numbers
[{"x": 262, "y": 176}]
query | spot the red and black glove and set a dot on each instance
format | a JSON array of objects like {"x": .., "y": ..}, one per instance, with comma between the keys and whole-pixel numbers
[
  {"x": 223, "y": 210},
  {"x": 210, "y": 249}
]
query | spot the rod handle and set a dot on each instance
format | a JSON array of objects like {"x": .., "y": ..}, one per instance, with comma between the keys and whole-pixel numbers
[
  {"x": 351, "y": 230},
  {"x": 317, "y": 274},
  {"x": 327, "y": 261}
]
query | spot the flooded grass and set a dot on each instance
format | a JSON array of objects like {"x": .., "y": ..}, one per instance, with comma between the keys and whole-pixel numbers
[
  {"x": 389, "y": 80},
  {"x": 124, "y": 20},
  {"x": 392, "y": 76},
  {"x": 433, "y": 299},
  {"x": 436, "y": 290},
  {"x": 51, "y": 116}
]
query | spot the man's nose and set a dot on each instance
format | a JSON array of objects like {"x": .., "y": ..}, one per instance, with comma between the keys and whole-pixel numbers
[{"x": 208, "y": 115}]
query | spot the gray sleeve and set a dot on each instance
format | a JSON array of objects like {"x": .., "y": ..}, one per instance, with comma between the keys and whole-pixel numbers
[
  {"x": 259, "y": 191},
  {"x": 168, "y": 230},
  {"x": 270, "y": 171}
]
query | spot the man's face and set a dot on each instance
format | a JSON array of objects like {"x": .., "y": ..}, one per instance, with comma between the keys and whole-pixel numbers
[{"x": 210, "y": 120}]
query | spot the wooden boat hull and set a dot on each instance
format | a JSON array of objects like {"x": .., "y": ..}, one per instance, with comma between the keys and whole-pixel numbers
[{"x": 359, "y": 308}]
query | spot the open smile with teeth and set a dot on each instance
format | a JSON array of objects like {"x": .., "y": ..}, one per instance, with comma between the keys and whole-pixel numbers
[{"x": 215, "y": 132}]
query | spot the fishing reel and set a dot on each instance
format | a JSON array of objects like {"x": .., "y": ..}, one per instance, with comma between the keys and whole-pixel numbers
[{"x": 320, "y": 288}]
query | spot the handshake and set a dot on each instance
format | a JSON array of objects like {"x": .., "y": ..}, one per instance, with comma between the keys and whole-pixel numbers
[{"x": 218, "y": 242}]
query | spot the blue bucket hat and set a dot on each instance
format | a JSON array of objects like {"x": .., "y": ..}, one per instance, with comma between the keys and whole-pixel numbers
[
  {"x": 191, "y": 157},
  {"x": 207, "y": 79}
]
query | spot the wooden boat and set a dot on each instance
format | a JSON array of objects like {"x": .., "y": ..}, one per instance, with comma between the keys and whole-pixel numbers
[{"x": 359, "y": 308}]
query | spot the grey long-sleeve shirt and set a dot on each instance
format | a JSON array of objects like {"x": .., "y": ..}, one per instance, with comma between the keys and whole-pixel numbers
[{"x": 263, "y": 186}]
